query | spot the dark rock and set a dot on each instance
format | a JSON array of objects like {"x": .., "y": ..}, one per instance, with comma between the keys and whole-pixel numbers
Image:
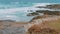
[
  {"x": 47, "y": 12},
  {"x": 54, "y": 6},
  {"x": 51, "y": 6},
  {"x": 33, "y": 14},
  {"x": 42, "y": 31},
  {"x": 7, "y": 21}
]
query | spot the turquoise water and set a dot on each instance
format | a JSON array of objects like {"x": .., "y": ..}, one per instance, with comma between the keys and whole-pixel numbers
[
  {"x": 29, "y": 1},
  {"x": 18, "y": 9},
  {"x": 16, "y": 15},
  {"x": 18, "y": 12}
]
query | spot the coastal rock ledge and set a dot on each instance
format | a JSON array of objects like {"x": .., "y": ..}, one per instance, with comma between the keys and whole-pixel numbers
[{"x": 48, "y": 25}]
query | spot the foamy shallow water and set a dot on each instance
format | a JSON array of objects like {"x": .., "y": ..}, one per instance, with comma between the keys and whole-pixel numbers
[
  {"x": 17, "y": 14},
  {"x": 20, "y": 13}
]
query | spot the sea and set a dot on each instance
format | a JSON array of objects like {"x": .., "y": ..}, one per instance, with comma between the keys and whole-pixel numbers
[{"x": 17, "y": 10}]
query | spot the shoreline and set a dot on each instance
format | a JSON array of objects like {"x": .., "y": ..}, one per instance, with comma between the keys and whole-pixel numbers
[{"x": 48, "y": 23}]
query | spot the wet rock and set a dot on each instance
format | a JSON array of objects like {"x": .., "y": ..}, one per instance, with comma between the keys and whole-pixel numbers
[
  {"x": 33, "y": 14},
  {"x": 7, "y": 21},
  {"x": 42, "y": 31}
]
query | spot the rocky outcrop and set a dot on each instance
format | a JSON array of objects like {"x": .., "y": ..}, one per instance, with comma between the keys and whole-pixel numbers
[
  {"x": 54, "y": 6},
  {"x": 39, "y": 17},
  {"x": 33, "y": 14},
  {"x": 38, "y": 30},
  {"x": 52, "y": 9},
  {"x": 43, "y": 12},
  {"x": 47, "y": 12},
  {"x": 48, "y": 25},
  {"x": 51, "y": 6}
]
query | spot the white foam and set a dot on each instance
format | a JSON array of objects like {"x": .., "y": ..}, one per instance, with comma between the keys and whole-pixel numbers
[
  {"x": 41, "y": 4},
  {"x": 13, "y": 10},
  {"x": 24, "y": 9},
  {"x": 4, "y": 12}
]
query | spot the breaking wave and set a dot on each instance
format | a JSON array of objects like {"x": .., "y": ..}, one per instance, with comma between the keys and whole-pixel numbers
[{"x": 18, "y": 13}]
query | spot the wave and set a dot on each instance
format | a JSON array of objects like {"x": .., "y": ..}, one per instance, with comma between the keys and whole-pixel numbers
[
  {"x": 19, "y": 13},
  {"x": 17, "y": 4}
]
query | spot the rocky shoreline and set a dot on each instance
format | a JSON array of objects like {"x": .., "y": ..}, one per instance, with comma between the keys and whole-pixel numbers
[
  {"x": 44, "y": 22},
  {"x": 48, "y": 23},
  {"x": 41, "y": 26}
]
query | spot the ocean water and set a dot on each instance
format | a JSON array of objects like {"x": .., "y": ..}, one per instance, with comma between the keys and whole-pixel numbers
[
  {"x": 16, "y": 14},
  {"x": 18, "y": 11}
]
